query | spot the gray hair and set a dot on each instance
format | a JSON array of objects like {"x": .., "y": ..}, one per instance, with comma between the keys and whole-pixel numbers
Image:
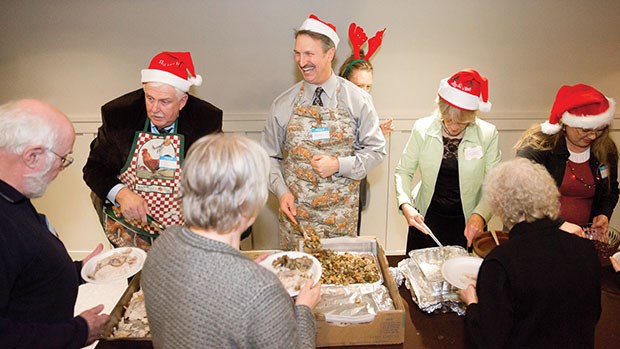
[
  {"x": 21, "y": 126},
  {"x": 520, "y": 190},
  {"x": 156, "y": 84},
  {"x": 224, "y": 181}
]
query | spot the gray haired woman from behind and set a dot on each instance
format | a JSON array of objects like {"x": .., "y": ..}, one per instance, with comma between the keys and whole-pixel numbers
[{"x": 200, "y": 290}]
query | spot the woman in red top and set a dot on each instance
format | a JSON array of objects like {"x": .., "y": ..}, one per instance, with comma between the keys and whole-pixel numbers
[{"x": 575, "y": 147}]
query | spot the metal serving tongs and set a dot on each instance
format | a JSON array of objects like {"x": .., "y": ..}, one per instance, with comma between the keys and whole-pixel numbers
[
  {"x": 155, "y": 223},
  {"x": 302, "y": 243},
  {"x": 494, "y": 235},
  {"x": 430, "y": 232}
]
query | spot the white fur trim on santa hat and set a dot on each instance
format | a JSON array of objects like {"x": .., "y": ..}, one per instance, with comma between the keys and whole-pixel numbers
[
  {"x": 582, "y": 121},
  {"x": 150, "y": 75},
  {"x": 550, "y": 129},
  {"x": 591, "y": 121},
  {"x": 316, "y": 26},
  {"x": 461, "y": 99}
]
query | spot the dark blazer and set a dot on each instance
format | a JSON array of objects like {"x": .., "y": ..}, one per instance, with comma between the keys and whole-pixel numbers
[
  {"x": 554, "y": 160},
  {"x": 541, "y": 289},
  {"x": 125, "y": 115}
]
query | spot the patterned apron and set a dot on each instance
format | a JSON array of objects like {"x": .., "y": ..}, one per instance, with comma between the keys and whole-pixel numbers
[
  {"x": 153, "y": 171},
  {"x": 325, "y": 206}
]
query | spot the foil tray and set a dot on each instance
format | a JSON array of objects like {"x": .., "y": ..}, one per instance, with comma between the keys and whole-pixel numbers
[{"x": 429, "y": 290}]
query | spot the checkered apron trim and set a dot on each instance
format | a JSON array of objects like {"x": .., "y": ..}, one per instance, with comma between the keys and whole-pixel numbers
[{"x": 154, "y": 172}]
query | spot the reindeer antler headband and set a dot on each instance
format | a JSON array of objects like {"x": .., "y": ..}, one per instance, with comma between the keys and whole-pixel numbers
[{"x": 358, "y": 38}]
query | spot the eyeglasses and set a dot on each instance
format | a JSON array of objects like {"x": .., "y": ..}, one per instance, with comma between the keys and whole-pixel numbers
[
  {"x": 588, "y": 131},
  {"x": 65, "y": 161}
]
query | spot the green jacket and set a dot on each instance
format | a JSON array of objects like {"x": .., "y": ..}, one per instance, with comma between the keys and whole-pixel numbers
[{"x": 478, "y": 153}]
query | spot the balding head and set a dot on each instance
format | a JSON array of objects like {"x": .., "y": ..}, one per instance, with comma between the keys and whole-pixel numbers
[
  {"x": 30, "y": 121},
  {"x": 32, "y": 134}
]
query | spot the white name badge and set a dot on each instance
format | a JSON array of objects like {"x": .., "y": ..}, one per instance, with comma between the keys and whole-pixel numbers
[
  {"x": 168, "y": 162},
  {"x": 320, "y": 133},
  {"x": 473, "y": 153}
]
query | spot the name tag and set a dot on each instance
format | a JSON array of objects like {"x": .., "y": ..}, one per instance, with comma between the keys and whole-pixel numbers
[
  {"x": 320, "y": 133},
  {"x": 168, "y": 162},
  {"x": 473, "y": 153},
  {"x": 604, "y": 171}
]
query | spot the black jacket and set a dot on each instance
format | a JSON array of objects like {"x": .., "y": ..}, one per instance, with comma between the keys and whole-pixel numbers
[
  {"x": 541, "y": 289},
  {"x": 125, "y": 115}
]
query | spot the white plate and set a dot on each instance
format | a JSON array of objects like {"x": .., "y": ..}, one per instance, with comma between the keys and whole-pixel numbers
[
  {"x": 316, "y": 268},
  {"x": 460, "y": 272},
  {"x": 616, "y": 256},
  {"x": 123, "y": 273}
]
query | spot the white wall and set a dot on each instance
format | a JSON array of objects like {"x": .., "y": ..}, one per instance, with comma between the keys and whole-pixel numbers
[{"x": 80, "y": 54}]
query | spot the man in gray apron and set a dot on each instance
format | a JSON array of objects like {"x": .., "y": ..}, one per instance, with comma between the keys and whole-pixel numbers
[
  {"x": 135, "y": 161},
  {"x": 322, "y": 137}
]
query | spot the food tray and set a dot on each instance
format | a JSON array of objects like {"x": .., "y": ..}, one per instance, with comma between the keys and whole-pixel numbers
[
  {"x": 429, "y": 260},
  {"x": 118, "y": 312},
  {"x": 365, "y": 255},
  {"x": 429, "y": 290}
]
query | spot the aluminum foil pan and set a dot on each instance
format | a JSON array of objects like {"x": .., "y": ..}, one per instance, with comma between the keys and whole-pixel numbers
[
  {"x": 423, "y": 278},
  {"x": 357, "y": 303}
]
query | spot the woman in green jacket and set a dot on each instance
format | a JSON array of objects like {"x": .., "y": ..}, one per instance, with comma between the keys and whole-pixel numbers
[{"x": 453, "y": 150}]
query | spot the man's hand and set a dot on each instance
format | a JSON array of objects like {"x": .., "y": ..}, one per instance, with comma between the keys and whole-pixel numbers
[
  {"x": 474, "y": 227},
  {"x": 324, "y": 165},
  {"x": 95, "y": 252},
  {"x": 132, "y": 205},
  {"x": 287, "y": 206},
  {"x": 96, "y": 322}
]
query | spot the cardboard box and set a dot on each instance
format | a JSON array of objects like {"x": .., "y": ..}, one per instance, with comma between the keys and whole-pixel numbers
[{"x": 388, "y": 327}]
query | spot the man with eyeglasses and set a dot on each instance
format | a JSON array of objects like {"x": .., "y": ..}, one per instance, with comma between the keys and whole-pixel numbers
[
  {"x": 575, "y": 147},
  {"x": 135, "y": 161},
  {"x": 38, "y": 281}
]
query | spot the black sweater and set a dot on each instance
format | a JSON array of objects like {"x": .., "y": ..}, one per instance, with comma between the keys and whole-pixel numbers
[
  {"x": 38, "y": 281},
  {"x": 541, "y": 289}
]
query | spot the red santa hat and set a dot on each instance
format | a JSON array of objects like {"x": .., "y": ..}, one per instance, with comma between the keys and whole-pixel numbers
[
  {"x": 172, "y": 68},
  {"x": 314, "y": 24},
  {"x": 579, "y": 106},
  {"x": 467, "y": 90}
]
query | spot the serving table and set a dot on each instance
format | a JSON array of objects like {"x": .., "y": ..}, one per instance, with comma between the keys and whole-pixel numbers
[{"x": 436, "y": 331}]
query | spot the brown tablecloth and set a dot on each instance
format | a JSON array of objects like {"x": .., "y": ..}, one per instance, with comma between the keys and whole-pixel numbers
[{"x": 435, "y": 331}]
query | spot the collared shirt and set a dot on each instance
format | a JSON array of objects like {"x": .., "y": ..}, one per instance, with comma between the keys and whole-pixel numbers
[{"x": 369, "y": 142}]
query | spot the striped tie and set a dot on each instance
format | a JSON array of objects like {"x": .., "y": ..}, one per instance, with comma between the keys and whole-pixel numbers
[{"x": 316, "y": 100}]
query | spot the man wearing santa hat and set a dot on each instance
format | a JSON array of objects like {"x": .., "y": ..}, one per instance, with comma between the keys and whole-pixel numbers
[
  {"x": 575, "y": 147},
  {"x": 322, "y": 136},
  {"x": 126, "y": 165}
]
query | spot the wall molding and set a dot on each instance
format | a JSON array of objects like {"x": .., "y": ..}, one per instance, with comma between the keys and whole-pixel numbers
[{"x": 254, "y": 122}]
